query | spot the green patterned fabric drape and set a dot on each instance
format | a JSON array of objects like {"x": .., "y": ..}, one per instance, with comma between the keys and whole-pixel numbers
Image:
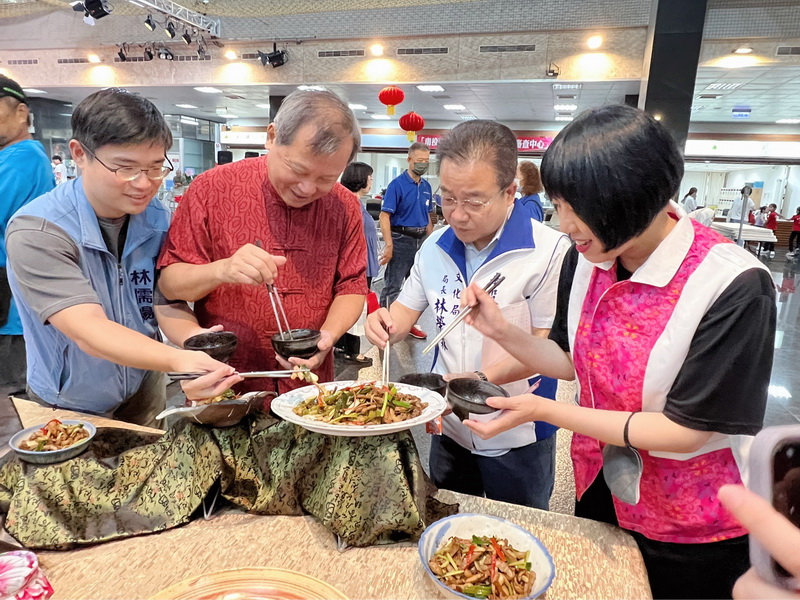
[{"x": 367, "y": 490}]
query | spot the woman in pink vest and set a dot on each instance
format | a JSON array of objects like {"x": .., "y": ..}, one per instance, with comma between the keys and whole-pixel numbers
[{"x": 654, "y": 322}]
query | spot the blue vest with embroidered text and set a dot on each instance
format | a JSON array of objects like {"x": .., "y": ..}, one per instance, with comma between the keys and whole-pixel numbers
[{"x": 59, "y": 372}]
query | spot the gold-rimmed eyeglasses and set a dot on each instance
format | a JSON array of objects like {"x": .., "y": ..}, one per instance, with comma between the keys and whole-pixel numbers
[
  {"x": 127, "y": 174},
  {"x": 473, "y": 205}
]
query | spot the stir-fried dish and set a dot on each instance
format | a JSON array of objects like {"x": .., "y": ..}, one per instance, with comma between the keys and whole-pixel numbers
[
  {"x": 362, "y": 404},
  {"x": 54, "y": 436},
  {"x": 228, "y": 394},
  {"x": 484, "y": 567},
  {"x": 304, "y": 375}
]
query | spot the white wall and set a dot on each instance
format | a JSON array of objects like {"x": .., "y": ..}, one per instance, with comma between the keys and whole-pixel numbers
[
  {"x": 792, "y": 198},
  {"x": 694, "y": 179},
  {"x": 772, "y": 176}
]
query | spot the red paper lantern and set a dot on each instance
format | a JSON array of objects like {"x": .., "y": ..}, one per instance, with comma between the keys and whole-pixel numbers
[
  {"x": 412, "y": 123},
  {"x": 391, "y": 96}
]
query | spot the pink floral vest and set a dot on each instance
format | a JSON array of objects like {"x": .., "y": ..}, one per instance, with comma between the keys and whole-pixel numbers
[{"x": 620, "y": 323}]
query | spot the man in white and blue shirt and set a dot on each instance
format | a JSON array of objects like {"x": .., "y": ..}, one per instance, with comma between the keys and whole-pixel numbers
[{"x": 487, "y": 234}]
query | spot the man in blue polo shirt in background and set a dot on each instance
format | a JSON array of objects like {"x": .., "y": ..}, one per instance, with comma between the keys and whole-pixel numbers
[
  {"x": 405, "y": 222},
  {"x": 25, "y": 173}
]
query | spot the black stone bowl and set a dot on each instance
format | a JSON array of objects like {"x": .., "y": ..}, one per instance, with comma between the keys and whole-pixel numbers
[
  {"x": 429, "y": 381},
  {"x": 469, "y": 396},
  {"x": 304, "y": 344},
  {"x": 217, "y": 344}
]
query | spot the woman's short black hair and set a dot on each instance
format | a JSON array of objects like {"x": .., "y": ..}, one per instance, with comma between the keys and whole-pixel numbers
[
  {"x": 355, "y": 176},
  {"x": 121, "y": 118},
  {"x": 616, "y": 167}
]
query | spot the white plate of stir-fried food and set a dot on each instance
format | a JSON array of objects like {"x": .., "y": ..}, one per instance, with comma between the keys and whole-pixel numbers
[
  {"x": 53, "y": 441},
  {"x": 480, "y": 556},
  {"x": 359, "y": 408}
]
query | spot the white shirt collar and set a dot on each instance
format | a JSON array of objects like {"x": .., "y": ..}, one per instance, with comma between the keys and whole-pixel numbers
[{"x": 661, "y": 266}]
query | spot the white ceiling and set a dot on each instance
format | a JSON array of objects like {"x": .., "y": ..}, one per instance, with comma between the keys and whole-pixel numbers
[
  {"x": 771, "y": 92},
  {"x": 501, "y": 101}
]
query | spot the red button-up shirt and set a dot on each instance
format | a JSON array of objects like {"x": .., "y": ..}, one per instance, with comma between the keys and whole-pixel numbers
[{"x": 235, "y": 204}]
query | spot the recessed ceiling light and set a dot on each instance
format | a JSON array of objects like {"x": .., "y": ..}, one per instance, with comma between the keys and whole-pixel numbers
[
  {"x": 566, "y": 97},
  {"x": 454, "y": 107},
  {"x": 311, "y": 88},
  {"x": 468, "y": 117},
  {"x": 723, "y": 86},
  {"x": 33, "y": 91},
  {"x": 381, "y": 117},
  {"x": 594, "y": 42},
  {"x": 565, "y": 107},
  {"x": 93, "y": 58},
  {"x": 564, "y": 118},
  {"x": 743, "y": 50},
  {"x": 430, "y": 88},
  {"x": 230, "y": 54},
  {"x": 185, "y": 106},
  {"x": 788, "y": 121},
  {"x": 357, "y": 107},
  {"x": 376, "y": 49},
  {"x": 208, "y": 90},
  {"x": 263, "y": 106}
]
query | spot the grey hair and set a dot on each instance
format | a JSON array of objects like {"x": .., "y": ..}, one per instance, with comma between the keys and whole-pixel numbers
[
  {"x": 417, "y": 146},
  {"x": 330, "y": 115},
  {"x": 481, "y": 141}
]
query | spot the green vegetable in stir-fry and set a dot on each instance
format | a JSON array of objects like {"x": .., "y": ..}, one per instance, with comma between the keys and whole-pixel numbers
[{"x": 362, "y": 404}]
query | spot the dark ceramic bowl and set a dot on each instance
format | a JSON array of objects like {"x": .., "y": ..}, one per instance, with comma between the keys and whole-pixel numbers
[
  {"x": 226, "y": 415},
  {"x": 217, "y": 344},
  {"x": 469, "y": 396},
  {"x": 429, "y": 381},
  {"x": 304, "y": 344}
]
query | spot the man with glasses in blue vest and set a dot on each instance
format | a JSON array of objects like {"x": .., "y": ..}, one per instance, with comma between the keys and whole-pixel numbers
[{"x": 82, "y": 269}]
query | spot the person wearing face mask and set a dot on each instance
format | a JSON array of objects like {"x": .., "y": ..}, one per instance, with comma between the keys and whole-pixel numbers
[
  {"x": 645, "y": 305},
  {"x": 405, "y": 221},
  {"x": 488, "y": 233},
  {"x": 281, "y": 218}
]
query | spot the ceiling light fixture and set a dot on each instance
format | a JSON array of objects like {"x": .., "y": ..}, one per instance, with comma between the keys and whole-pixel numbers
[
  {"x": 567, "y": 86},
  {"x": 93, "y": 58},
  {"x": 187, "y": 39},
  {"x": 148, "y": 54},
  {"x": 311, "y": 88},
  {"x": 170, "y": 30},
  {"x": 356, "y": 107},
  {"x": 565, "y": 107},
  {"x": 564, "y": 118},
  {"x": 230, "y": 54},
  {"x": 208, "y": 90},
  {"x": 267, "y": 106},
  {"x": 123, "y": 57},
  {"x": 185, "y": 106},
  {"x": 594, "y": 42},
  {"x": 150, "y": 23},
  {"x": 468, "y": 117},
  {"x": 788, "y": 121},
  {"x": 454, "y": 107},
  {"x": 97, "y": 9},
  {"x": 553, "y": 70},
  {"x": 430, "y": 88},
  {"x": 376, "y": 49},
  {"x": 381, "y": 117},
  {"x": 229, "y": 116},
  {"x": 165, "y": 54},
  {"x": 201, "y": 51},
  {"x": 743, "y": 50}
]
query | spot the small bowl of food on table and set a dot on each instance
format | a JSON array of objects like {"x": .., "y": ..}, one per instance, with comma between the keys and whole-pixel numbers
[
  {"x": 53, "y": 441},
  {"x": 482, "y": 556}
]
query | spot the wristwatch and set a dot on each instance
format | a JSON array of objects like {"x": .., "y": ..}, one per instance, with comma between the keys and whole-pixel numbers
[{"x": 481, "y": 375}]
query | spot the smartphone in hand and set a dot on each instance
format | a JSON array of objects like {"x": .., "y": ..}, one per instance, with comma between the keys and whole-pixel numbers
[{"x": 774, "y": 466}]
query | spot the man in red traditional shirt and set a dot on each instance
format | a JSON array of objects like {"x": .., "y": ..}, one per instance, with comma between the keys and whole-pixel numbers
[{"x": 281, "y": 219}]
